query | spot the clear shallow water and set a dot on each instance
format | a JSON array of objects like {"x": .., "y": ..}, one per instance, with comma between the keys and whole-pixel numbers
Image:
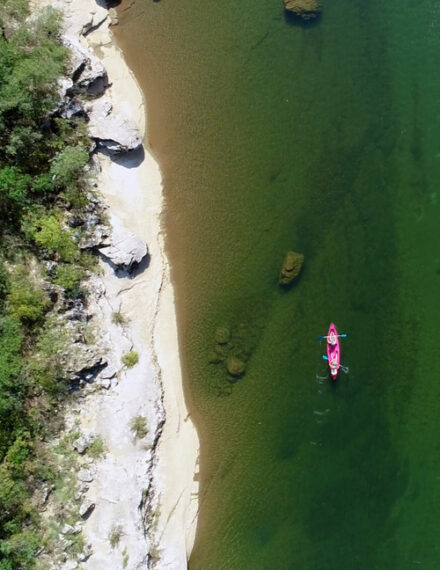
[{"x": 260, "y": 127}]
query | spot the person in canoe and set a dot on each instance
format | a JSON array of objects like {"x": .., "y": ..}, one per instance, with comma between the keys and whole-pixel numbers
[{"x": 333, "y": 351}]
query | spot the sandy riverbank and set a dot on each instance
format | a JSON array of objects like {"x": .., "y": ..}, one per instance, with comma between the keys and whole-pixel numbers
[{"x": 165, "y": 463}]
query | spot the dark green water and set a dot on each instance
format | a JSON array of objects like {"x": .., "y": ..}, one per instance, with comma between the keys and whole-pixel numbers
[{"x": 326, "y": 139}]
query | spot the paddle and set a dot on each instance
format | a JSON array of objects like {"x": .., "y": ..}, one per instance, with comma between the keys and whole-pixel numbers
[
  {"x": 323, "y": 337},
  {"x": 343, "y": 368}
]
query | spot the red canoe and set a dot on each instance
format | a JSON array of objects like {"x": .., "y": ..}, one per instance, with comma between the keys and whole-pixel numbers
[{"x": 333, "y": 351}]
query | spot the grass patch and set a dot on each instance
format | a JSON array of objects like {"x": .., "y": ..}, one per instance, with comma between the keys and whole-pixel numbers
[
  {"x": 114, "y": 536},
  {"x": 138, "y": 426},
  {"x": 97, "y": 448},
  {"x": 130, "y": 359},
  {"x": 125, "y": 558},
  {"x": 118, "y": 318}
]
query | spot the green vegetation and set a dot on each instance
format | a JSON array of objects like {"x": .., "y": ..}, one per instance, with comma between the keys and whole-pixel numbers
[
  {"x": 118, "y": 318},
  {"x": 97, "y": 448},
  {"x": 125, "y": 558},
  {"x": 42, "y": 184},
  {"x": 115, "y": 535},
  {"x": 130, "y": 359},
  {"x": 138, "y": 426}
]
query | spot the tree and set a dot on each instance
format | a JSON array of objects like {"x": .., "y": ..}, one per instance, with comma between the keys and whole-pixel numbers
[{"x": 68, "y": 165}]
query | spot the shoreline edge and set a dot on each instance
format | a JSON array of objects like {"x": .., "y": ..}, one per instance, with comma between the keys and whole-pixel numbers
[{"x": 167, "y": 469}]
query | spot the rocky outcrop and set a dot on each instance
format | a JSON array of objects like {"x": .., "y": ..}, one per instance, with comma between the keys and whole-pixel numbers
[
  {"x": 115, "y": 133},
  {"x": 87, "y": 73},
  {"x": 291, "y": 268},
  {"x": 125, "y": 250},
  {"x": 304, "y": 9}
]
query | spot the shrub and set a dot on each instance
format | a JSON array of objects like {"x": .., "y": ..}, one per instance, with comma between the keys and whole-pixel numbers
[
  {"x": 42, "y": 183},
  {"x": 26, "y": 300},
  {"x": 69, "y": 277},
  {"x": 3, "y": 284},
  {"x": 14, "y": 185},
  {"x": 47, "y": 362},
  {"x": 18, "y": 452},
  {"x": 48, "y": 233},
  {"x": 12, "y": 495},
  {"x": 20, "y": 548},
  {"x": 68, "y": 165},
  {"x": 11, "y": 389},
  {"x": 138, "y": 426},
  {"x": 130, "y": 359}
]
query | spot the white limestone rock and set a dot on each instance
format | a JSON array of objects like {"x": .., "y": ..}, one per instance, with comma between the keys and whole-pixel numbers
[
  {"x": 85, "y": 475},
  {"x": 115, "y": 133},
  {"x": 126, "y": 250},
  {"x": 82, "y": 443}
]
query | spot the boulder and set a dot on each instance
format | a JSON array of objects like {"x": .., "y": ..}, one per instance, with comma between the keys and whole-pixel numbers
[
  {"x": 82, "y": 360},
  {"x": 86, "y": 508},
  {"x": 87, "y": 73},
  {"x": 69, "y": 529},
  {"x": 115, "y": 133},
  {"x": 304, "y": 9},
  {"x": 291, "y": 267},
  {"x": 235, "y": 366},
  {"x": 85, "y": 475},
  {"x": 82, "y": 443},
  {"x": 125, "y": 249}
]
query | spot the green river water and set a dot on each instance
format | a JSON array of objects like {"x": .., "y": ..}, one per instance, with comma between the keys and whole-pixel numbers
[{"x": 324, "y": 139}]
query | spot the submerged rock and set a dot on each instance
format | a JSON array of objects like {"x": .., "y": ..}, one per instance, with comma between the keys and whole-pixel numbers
[
  {"x": 291, "y": 268},
  {"x": 304, "y": 9},
  {"x": 235, "y": 366},
  {"x": 222, "y": 335}
]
